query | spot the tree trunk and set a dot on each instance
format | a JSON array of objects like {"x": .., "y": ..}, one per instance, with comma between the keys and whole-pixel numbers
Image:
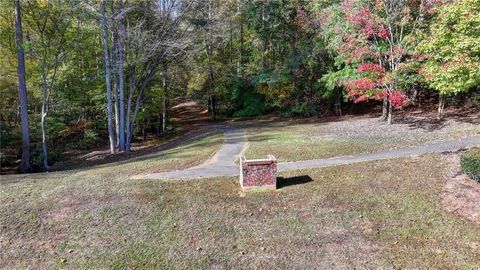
[
  {"x": 44, "y": 115},
  {"x": 121, "y": 78},
  {"x": 208, "y": 45},
  {"x": 111, "y": 135},
  {"x": 240, "y": 46},
  {"x": 415, "y": 100},
  {"x": 338, "y": 102},
  {"x": 131, "y": 121},
  {"x": 131, "y": 126},
  {"x": 164, "y": 115},
  {"x": 390, "y": 110},
  {"x": 44, "y": 141},
  {"x": 265, "y": 39},
  {"x": 212, "y": 89},
  {"x": 25, "y": 165},
  {"x": 159, "y": 120},
  {"x": 144, "y": 135},
  {"x": 115, "y": 79},
  {"x": 135, "y": 85},
  {"x": 164, "y": 102},
  {"x": 128, "y": 124},
  {"x": 385, "y": 108},
  {"x": 230, "y": 41},
  {"x": 441, "y": 105}
]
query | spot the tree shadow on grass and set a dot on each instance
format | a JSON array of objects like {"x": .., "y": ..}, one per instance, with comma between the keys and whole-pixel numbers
[
  {"x": 429, "y": 121},
  {"x": 177, "y": 144},
  {"x": 291, "y": 181}
]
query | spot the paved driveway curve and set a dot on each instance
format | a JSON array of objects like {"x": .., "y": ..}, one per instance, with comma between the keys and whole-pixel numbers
[{"x": 222, "y": 163}]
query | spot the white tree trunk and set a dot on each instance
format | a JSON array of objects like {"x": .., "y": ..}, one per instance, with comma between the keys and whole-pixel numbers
[
  {"x": 44, "y": 115},
  {"x": 128, "y": 124},
  {"x": 121, "y": 78},
  {"x": 115, "y": 78},
  {"x": 111, "y": 135}
]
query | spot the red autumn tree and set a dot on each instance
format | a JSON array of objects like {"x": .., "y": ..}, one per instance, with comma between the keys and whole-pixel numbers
[{"x": 377, "y": 39}]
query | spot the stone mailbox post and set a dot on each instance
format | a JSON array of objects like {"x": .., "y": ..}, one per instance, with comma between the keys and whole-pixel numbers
[{"x": 258, "y": 173}]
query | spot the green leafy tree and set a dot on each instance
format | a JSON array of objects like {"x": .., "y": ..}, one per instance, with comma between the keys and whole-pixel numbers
[
  {"x": 49, "y": 41},
  {"x": 452, "y": 49}
]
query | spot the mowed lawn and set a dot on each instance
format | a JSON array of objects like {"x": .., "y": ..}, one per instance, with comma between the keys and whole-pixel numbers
[
  {"x": 383, "y": 214},
  {"x": 294, "y": 140}
]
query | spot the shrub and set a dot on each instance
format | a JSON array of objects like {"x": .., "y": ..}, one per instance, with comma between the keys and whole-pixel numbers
[
  {"x": 303, "y": 109},
  {"x": 253, "y": 104},
  {"x": 89, "y": 139},
  {"x": 9, "y": 140},
  {"x": 7, "y": 135},
  {"x": 470, "y": 162},
  {"x": 476, "y": 99},
  {"x": 55, "y": 154}
]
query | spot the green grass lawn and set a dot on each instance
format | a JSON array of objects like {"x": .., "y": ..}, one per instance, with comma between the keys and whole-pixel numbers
[
  {"x": 294, "y": 144},
  {"x": 290, "y": 141},
  {"x": 366, "y": 215}
]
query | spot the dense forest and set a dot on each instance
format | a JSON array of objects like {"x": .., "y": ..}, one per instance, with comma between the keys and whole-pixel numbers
[{"x": 80, "y": 74}]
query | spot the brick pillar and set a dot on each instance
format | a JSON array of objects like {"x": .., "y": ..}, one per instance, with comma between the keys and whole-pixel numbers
[{"x": 258, "y": 173}]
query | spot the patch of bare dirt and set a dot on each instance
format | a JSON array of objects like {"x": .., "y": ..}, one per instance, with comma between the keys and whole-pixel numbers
[
  {"x": 190, "y": 112},
  {"x": 461, "y": 195},
  {"x": 145, "y": 197},
  {"x": 63, "y": 213}
]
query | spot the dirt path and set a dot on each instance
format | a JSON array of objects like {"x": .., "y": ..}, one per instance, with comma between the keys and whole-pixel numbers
[
  {"x": 222, "y": 164},
  {"x": 189, "y": 112}
]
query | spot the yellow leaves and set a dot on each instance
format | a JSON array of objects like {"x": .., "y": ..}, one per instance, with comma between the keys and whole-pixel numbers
[
  {"x": 274, "y": 91},
  {"x": 276, "y": 94},
  {"x": 388, "y": 78},
  {"x": 42, "y": 3},
  {"x": 197, "y": 82}
]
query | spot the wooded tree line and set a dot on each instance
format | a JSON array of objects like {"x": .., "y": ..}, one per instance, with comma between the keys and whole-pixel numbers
[{"x": 75, "y": 73}]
